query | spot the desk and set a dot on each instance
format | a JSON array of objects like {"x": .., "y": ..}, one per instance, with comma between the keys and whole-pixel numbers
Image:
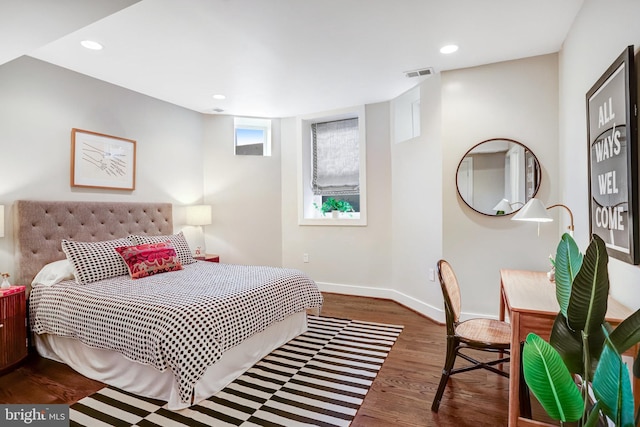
[{"x": 530, "y": 299}]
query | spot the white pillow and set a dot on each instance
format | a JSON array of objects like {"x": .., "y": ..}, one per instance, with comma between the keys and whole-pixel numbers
[{"x": 54, "y": 272}]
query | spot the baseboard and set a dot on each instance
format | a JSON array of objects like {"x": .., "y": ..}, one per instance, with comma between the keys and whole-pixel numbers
[{"x": 434, "y": 313}]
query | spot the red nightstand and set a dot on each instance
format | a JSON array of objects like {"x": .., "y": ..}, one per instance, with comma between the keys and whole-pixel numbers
[
  {"x": 13, "y": 327},
  {"x": 209, "y": 257}
]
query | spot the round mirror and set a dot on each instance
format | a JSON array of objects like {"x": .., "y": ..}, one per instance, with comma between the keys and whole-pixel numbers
[{"x": 498, "y": 176}]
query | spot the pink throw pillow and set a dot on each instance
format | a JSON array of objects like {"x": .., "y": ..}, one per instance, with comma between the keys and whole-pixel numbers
[{"x": 149, "y": 258}]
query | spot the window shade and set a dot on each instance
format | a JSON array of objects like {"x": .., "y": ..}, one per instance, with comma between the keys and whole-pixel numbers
[{"x": 336, "y": 158}]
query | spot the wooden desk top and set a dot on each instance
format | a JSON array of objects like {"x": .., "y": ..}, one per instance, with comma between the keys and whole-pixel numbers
[{"x": 532, "y": 292}]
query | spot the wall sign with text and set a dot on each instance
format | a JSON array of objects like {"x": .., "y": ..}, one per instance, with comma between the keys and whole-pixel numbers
[{"x": 613, "y": 159}]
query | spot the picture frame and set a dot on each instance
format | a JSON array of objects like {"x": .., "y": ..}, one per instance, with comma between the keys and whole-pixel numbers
[
  {"x": 613, "y": 158},
  {"x": 102, "y": 161}
]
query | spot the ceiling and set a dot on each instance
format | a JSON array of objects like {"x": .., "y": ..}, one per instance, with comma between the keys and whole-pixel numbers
[{"x": 277, "y": 58}]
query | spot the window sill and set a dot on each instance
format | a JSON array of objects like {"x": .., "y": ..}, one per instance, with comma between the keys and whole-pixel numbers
[{"x": 343, "y": 219}]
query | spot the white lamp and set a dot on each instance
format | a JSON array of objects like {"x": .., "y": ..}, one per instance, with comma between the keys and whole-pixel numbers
[
  {"x": 1, "y": 220},
  {"x": 535, "y": 211},
  {"x": 199, "y": 215},
  {"x": 503, "y": 207},
  {"x": 5, "y": 281}
]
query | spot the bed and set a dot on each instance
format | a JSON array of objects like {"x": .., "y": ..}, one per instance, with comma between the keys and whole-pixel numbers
[{"x": 179, "y": 335}]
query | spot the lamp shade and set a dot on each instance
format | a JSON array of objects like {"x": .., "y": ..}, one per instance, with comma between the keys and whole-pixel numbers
[
  {"x": 534, "y": 210},
  {"x": 503, "y": 206},
  {"x": 199, "y": 215}
]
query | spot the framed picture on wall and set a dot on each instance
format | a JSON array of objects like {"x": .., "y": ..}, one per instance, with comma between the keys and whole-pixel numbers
[
  {"x": 102, "y": 161},
  {"x": 613, "y": 158}
]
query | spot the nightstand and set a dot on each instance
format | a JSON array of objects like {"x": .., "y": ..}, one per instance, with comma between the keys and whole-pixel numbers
[
  {"x": 13, "y": 327},
  {"x": 209, "y": 257}
]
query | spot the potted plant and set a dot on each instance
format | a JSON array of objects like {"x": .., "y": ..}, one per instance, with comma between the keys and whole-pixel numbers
[
  {"x": 334, "y": 206},
  {"x": 579, "y": 374}
]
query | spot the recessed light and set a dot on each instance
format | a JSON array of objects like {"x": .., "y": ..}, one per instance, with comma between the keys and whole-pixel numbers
[
  {"x": 219, "y": 96},
  {"x": 450, "y": 48},
  {"x": 90, "y": 44}
]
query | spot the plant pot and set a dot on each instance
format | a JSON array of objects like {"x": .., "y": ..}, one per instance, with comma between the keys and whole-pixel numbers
[{"x": 335, "y": 214}]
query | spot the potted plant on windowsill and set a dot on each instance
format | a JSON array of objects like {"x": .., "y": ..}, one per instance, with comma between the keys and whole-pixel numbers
[
  {"x": 579, "y": 374},
  {"x": 334, "y": 206}
]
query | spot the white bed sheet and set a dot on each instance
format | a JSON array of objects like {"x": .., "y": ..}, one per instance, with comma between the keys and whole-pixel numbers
[{"x": 113, "y": 368}]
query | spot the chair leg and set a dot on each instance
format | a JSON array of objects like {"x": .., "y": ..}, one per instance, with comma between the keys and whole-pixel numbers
[{"x": 446, "y": 372}]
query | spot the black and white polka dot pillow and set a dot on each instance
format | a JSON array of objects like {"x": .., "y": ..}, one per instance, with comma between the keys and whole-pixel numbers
[
  {"x": 178, "y": 242},
  {"x": 95, "y": 261}
]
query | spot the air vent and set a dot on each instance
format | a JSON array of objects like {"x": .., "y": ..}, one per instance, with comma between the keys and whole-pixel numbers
[{"x": 420, "y": 72}]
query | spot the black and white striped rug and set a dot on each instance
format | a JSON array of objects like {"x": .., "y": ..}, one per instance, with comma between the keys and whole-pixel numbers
[{"x": 319, "y": 378}]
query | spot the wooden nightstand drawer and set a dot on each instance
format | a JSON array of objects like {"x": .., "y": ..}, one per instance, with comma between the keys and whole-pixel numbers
[{"x": 13, "y": 327}]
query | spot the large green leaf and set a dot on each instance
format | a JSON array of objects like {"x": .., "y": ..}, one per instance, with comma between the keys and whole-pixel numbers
[
  {"x": 567, "y": 264},
  {"x": 588, "y": 301},
  {"x": 612, "y": 387},
  {"x": 627, "y": 333},
  {"x": 550, "y": 381},
  {"x": 569, "y": 344}
]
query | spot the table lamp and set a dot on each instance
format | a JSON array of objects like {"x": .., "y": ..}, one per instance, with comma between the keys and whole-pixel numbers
[
  {"x": 198, "y": 215},
  {"x": 5, "y": 276}
]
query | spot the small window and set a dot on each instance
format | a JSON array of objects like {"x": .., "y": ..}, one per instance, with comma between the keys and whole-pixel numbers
[{"x": 252, "y": 136}]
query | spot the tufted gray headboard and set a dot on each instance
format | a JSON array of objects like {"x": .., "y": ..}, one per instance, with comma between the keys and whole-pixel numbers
[{"x": 40, "y": 226}]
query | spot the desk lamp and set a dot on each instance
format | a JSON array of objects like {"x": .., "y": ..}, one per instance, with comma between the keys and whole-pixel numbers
[
  {"x": 503, "y": 207},
  {"x": 535, "y": 211}
]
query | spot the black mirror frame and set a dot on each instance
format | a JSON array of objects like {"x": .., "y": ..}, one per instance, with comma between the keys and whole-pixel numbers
[{"x": 527, "y": 149}]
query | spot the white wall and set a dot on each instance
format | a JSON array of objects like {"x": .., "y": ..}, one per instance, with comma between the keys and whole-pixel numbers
[
  {"x": 40, "y": 104},
  {"x": 416, "y": 200},
  {"x": 601, "y": 31},
  {"x": 516, "y": 100},
  {"x": 347, "y": 259},
  {"x": 244, "y": 192}
]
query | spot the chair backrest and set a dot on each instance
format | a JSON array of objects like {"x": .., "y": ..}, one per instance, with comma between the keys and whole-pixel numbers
[{"x": 450, "y": 292}]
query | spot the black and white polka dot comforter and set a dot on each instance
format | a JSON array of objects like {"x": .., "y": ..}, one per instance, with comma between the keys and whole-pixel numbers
[{"x": 182, "y": 320}]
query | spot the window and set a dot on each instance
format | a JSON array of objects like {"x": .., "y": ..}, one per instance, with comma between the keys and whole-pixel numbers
[
  {"x": 252, "y": 136},
  {"x": 336, "y": 158},
  {"x": 332, "y": 166}
]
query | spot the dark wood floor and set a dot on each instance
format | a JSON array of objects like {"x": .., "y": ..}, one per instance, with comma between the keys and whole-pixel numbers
[
  {"x": 400, "y": 396},
  {"x": 403, "y": 391}
]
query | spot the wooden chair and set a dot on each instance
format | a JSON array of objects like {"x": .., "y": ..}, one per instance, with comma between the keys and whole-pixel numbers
[{"x": 478, "y": 334}]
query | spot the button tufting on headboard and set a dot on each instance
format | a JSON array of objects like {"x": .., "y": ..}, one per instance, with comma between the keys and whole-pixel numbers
[{"x": 41, "y": 225}]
